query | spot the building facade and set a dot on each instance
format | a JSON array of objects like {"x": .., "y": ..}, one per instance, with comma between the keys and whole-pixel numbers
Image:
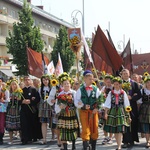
[{"x": 48, "y": 23}]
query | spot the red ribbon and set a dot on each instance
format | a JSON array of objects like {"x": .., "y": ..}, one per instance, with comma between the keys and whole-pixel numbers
[
  {"x": 89, "y": 88},
  {"x": 117, "y": 98}
]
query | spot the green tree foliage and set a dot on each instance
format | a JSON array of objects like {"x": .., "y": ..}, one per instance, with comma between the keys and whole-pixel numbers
[
  {"x": 24, "y": 34},
  {"x": 62, "y": 46}
]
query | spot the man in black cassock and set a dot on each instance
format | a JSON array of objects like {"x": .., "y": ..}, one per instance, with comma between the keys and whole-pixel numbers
[
  {"x": 134, "y": 94},
  {"x": 30, "y": 125}
]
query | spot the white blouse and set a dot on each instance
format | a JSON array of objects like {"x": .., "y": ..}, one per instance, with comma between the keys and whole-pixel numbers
[
  {"x": 51, "y": 96},
  {"x": 107, "y": 103},
  {"x": 57, "y": 107}
]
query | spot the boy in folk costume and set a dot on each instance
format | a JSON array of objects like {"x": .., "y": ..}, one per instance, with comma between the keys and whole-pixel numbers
[
  {"x": 4, "y": 99},
  {"x": 85, "y": 99}
]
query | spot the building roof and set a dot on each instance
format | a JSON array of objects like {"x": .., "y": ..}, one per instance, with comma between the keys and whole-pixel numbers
[
  {"x": 141, "y": 63},
  {"x": 43, "y": 13}
]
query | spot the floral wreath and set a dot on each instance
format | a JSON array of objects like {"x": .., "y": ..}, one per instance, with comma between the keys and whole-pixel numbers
[
  {"x": 108, "y": 77},
  {"x": 45, "y": 76},
  {"x": 117, "y": 79},
  {"x": 10, "y": 81},
  {"x": 63, "y": 75}
]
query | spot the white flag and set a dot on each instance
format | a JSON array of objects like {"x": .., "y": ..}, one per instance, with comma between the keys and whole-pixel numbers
[
  {"x": 51, "y": 68},
  {"x": 59, "y": 68},
  {"x": 86, "y": 47}
]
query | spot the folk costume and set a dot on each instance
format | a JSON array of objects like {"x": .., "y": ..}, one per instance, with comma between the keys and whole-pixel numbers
[
  {"x": 45, "y": 112},
  {"x": 144, "y": 112},
  {"x": 13, "y": 114},
  {"x": 4, "y": 95},
  {"x": 30, "y": 125},
  {"x": 117, "y": 121},
  {"x": 89, "y": 121},
  {"x": 67, "y": 119},
  {"x": 132, "y": 133}
]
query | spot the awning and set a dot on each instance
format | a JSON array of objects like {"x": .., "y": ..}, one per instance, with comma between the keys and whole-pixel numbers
[{"x": 7, "y": 72}]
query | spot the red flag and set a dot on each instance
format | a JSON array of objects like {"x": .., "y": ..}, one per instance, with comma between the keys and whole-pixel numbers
[
  {"x": 35, "y": 63},
  {"x": 127, "y": 57},
  {"x": 105, "y": 50}
]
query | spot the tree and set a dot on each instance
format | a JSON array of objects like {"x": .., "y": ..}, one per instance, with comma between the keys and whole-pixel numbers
[
  {"x": 62, "y": 46},
  {"x": 24, "y": 34}
]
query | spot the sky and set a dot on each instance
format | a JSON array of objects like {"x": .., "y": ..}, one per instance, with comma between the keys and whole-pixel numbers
[{"x": 125, "y": 19}]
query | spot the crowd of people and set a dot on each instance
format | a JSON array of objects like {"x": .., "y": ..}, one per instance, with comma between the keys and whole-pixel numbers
[{"x": 75, "y": 109}]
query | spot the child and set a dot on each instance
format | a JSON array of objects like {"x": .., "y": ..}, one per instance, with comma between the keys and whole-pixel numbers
[
  {"x": 85, "y": 99},
  {"x": 67, "y": 119},
  {"x": 116, "y": 115}
]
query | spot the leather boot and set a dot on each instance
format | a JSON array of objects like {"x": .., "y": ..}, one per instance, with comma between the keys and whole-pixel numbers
[
  {"x": 86, "y": 145},
  {"x": 65, "y": 146},
  {"x": 1, "y": 138},
  {"x": 93, "y": 144},
  {"x": 73, "y": 145}
]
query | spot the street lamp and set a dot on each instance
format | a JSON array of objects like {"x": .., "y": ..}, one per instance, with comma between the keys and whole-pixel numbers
[
  {"x": 75, "y": 19},
  {"x": 119, "y": 45}
]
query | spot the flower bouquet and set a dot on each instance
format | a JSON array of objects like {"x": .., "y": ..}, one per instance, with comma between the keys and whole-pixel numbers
[
  {"x": 64, "y": 99},
  {"x": 126, "y": 87}
]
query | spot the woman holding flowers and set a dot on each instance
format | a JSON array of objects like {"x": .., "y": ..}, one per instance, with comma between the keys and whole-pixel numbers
[
  {"x": 144, "y": 111},
  {"x": 67, "y": 120},
  {"x": 44, "y": 107},
  {"x": 13, "y": 109},
  {"x": 117, "y": 109}
]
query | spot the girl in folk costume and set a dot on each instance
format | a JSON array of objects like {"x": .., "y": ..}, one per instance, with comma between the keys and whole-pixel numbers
[
  {"x": 13, "y": 109},
  {"x": 44, "y": 107},
  {"x": 67, "y": 119},
  {"x": 4, "y": 99},
  {"x": 55, "y": 90},
  {"x": 117, "y": 109},
  {"x": 86, "y": 98},
  {"x": 144, "y": 111},
  {"x": 105, "y": 90}
]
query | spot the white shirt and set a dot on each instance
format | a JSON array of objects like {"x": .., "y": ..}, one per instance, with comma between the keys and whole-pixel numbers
[
  {"x": 51, "y": 96},
  {"x": 78, "y": 96},
  {"x": 57, "y": 107},
  {"x": 107, "y": 103}
]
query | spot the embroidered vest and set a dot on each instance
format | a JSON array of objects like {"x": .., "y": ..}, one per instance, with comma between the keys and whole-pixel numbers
[
  {"x": 89, "y": 100},
  {"x": 120, "y": 99},
  {"x": 145, "y": 98}
]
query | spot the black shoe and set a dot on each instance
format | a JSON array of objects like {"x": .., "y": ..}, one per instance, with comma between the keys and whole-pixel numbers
[
  {"x": 125, "y": 145},
  {"x": 1, "y": 143},
  {"x": 24, "y": 143},
  {"x": 34, "y": 140}
]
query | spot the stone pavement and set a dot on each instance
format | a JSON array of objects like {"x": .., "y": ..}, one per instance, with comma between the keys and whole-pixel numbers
[{"x": 52, "y": 145}]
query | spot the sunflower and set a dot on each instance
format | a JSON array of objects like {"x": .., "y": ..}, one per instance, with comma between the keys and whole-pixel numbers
[
  {"x": 20, "y": 90},
  {"x": 46, "y": 97},
  {"x": 128, "y": 109},
  {"x": 94, "y": 83},
  {"x": 146, "y": 74},
  {"x": 54, "y": 82}
]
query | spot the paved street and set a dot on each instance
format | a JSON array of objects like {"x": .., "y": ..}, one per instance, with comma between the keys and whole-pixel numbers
[{"x": 53, "y": 145}]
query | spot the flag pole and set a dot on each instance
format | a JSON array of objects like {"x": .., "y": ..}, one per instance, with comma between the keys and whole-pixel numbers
[{"x": 77, "y": 66}]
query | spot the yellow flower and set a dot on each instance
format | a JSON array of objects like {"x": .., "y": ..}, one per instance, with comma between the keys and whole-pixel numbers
[
  {"x": 46, "y": 97},
  {"x": 20, "y": 90},
  {"x": 128, "y": 109},
  {"x": 94, "y": 83},
  {"x": 54, "y": 82},
  {"x": 146, "y": 74}
]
